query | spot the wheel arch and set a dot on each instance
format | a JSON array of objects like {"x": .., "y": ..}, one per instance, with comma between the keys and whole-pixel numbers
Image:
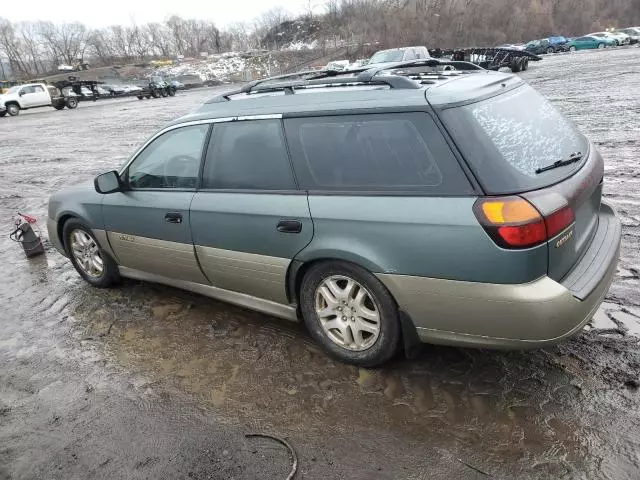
[{"x": 410, "y": 342}]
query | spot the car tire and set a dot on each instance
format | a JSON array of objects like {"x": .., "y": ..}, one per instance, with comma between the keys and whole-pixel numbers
[
  {"x": 140, "y": 97},
  {"x": 525, "y": 64},
  {"x": 155, "y": 93},
  {"x": 172, "y": 92},
  {"x": 550, "y": 50},
  {"x": 72, "y": 232},
  {"x": 71, "y": 103},
  {"x": 58, "y": 107},
  {"x": 3, "y": 113},
  {"x": 164, "y": 92},
  {"x": 515, "y": 65},
  {"x": 600, "y": 45},
  {"x": 572, "y": 48},
  {"x": 13, "y": 109},
  {"x": 368, "y": 333}
]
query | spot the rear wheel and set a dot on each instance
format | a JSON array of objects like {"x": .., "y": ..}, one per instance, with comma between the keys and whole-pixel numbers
[
  {"x": 172, "y": 92},
  {"x": 90, "y": 261},
  {"x": 350, "y": 313},
  {"x": 140, "y": 97},
  {"x": 155, "y": 93},
  {"x": 601, "y": 45},
  {"x": 13, "y": 109},
  {"x": 164, "y": 92},
  {"x": 72, "y": 103},
  {"x": 515, "y": 65}
]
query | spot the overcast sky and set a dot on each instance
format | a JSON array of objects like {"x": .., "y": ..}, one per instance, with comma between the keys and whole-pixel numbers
[{"x": 102, "y": 13}]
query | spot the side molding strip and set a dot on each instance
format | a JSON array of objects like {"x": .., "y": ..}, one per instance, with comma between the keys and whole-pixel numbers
[{"x": 288, "y": 312}]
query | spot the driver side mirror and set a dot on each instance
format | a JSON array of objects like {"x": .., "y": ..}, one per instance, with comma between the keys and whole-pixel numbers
[
  {"x": 109, "y": 182},
  {"x": 21, "y": 93}
]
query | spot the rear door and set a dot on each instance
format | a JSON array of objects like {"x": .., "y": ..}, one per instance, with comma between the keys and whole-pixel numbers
[
  {"x": 148, "y": 224},
  {"x": 248, "y": 219}
]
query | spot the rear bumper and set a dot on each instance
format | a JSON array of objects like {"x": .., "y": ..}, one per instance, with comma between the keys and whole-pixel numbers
[{"x": 527, "y": 315}]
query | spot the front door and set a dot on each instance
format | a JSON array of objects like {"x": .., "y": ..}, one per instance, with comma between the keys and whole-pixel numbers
[
  {"x": 249, "y": 220},
  {"x": 148, "y": 224},
  {"x": 33, "y": 96}
]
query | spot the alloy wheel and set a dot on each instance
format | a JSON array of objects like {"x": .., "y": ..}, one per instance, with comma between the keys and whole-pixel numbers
[
  {"x": 347, "y": 313},
  {"x": 86, "y": 253}
]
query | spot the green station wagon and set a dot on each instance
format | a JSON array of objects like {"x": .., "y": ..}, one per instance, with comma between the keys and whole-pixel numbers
[{"x": 428, "y": 201}]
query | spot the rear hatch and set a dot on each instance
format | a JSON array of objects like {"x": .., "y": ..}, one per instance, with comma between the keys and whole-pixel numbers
[{"x": 508, "y": 138}]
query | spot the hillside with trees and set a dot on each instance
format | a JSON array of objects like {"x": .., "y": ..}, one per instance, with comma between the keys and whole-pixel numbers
[{"x": 35, "y": 48}]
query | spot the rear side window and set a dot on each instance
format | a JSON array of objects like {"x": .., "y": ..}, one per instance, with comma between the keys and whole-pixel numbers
[
  {"x": 248, "y": 155},
  {"x": 507, "y": 138},
  {"x": 402, "y": 152}
]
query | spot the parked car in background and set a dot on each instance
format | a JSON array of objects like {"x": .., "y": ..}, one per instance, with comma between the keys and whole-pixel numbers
[
  {"x": 538, "y": 47},
  {"x": 115, "y": 89},
  {"x": 337, "y": 65},
  {"x": 590, "y": 42},
  {"x": 343, "y": 208},
  {"x": 558, "y": 39},
  {"x": 34, "y": 95},
  {"x": 103, "y": 91},
  {"x": 393, "y": 55},
  {"x": 633, "y": 32},
  {"x": 618, "y": 38},
  {"x": 177, "y": 85}
]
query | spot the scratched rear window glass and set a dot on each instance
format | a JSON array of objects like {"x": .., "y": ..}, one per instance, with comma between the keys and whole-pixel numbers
[{"x": 527, "y": 130}]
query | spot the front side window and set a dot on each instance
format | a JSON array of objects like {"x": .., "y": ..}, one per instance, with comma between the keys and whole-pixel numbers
[
  {"x": 248, "y": 155},
  {"x": 27, "y": 90},
  {"x": 402, "y": 152},
  {"x": 170, "y": 161}
]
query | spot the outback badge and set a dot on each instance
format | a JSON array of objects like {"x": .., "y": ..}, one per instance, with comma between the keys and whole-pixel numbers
[{"x": 564, "y": 239}]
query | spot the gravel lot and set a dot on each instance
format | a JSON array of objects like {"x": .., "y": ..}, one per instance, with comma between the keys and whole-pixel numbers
[{"x": 145, "y": 381}]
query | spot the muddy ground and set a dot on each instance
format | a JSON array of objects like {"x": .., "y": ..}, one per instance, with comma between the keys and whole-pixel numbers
[{"x": 148, "y": 382}]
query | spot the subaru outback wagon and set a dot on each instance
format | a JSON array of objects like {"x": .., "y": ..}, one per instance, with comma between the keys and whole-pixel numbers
[{"x": 429, "y": 200}]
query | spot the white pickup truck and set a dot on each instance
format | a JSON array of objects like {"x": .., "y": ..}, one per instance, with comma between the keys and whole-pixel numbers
[{"x": 34, "y": 95}]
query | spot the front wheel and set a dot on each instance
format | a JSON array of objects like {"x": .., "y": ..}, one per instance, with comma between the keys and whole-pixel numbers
[
  {"x": 72, "y": 103},
  {"x": 89, "y": 260},
  {"x": 350, "y": 313},
  {"x": 13, "y": 109}
]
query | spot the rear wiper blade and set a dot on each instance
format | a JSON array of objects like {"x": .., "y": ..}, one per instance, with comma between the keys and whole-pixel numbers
[{"x": 573, "y": 158}]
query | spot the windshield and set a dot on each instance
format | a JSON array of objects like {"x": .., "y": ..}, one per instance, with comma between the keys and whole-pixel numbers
[
  {"x": 599, "y": 35},
  {"x": 387, "y": 56},
  {"x": 508, "y": 137}
]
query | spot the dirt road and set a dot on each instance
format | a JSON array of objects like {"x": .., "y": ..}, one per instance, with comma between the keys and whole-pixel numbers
[{"x": 148, "y": 382}]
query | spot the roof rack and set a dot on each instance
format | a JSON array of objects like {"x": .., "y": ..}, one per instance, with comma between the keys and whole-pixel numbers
[{"x": 394, "y": 77}]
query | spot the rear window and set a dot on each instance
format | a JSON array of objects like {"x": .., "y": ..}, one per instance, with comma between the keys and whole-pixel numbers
[
  {"x": 507, "y": 138},
  {"x": 393, "y": 152}
]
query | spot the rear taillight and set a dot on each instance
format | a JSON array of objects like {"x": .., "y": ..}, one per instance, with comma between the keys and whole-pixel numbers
[{"x": 512, "y": 222}]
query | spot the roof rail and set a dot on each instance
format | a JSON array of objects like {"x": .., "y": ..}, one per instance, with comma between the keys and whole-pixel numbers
[
  {"x": 425, "y": 62},
  {"x": 437, "y": 70}
]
